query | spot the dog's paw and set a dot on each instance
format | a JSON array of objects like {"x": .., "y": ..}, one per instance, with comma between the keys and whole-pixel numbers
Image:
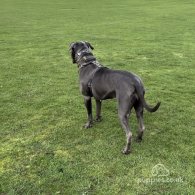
[
  {"x": 138, "y": 139},
  {"x": 126, "y": 151},
  {"x": 98, "y": 119},
  {"x": 87, "y": 125}
]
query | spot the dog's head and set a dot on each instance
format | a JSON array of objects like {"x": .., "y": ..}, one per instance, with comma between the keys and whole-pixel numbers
[{"x": 77, "y": 47}]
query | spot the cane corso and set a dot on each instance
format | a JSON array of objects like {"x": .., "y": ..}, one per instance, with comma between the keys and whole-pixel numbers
[{"x": 103, "y": 83}]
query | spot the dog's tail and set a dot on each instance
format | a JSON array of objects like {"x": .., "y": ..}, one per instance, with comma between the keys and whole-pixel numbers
[{"x": 140, "y": 93}]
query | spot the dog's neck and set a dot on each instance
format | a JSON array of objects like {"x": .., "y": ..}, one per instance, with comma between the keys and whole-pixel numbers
[
  {"x": 86, "y": 72},
  {"x": 88, "y": 68}
]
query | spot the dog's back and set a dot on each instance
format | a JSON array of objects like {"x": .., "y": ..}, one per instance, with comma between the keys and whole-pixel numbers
[{"x": 108, "y": 83}]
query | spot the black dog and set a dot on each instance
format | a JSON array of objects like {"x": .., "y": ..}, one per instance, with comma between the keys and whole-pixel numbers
[{"x": 103, "y": 83}]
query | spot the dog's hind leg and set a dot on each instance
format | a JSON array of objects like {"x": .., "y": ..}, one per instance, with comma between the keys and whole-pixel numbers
[
  {"x": 139, "y": 114},
  {"x": 123, "y": 112}
]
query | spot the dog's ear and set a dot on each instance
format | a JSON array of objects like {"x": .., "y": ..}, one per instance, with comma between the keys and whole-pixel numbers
[
  {"x": 71, "y": 49},
  {"x": 89, "y": 45}
]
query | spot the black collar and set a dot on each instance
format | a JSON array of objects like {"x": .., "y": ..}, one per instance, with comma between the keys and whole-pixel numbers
[
  {"x": 95, "y": 62},
  {"x": 85, "y": 57}
]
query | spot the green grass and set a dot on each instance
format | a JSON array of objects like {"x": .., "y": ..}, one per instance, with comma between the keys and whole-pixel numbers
[{"x": 44, "y": 149}]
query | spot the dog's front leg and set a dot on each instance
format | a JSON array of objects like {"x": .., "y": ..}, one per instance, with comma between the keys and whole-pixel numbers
[
  {"x": 88, "y": 105},
  {"x": 98, "y": 110}
]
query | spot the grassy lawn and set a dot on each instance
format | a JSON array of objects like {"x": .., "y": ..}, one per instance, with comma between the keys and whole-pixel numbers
[{"x": 44, "y": 149}]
